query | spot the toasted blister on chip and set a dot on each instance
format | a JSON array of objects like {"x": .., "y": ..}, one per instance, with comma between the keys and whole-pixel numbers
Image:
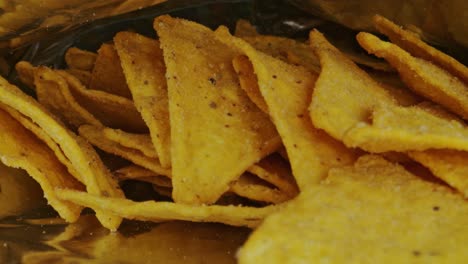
[
  {"x": 449, "y": 165},
  {"x": 112, "y": 110},
  {"x": 420, "y": 75},
  {"x": 143, "y": 65},
  {"x": 287, "y": 91},
  {"x": 79, "y": 59},
  {"x": 254, "y": 188},
  {"x": 83, "y": 157},
  {"x": 416, "y": 47},
  {"x": 245, "y": 29},
  {"x": 141, "y": 142},
  {"x": 344, "y": 95},
  {"x": 95, "y": 135},
  {"x": 54, "y": 93},
  {"x": 153, "y": 210},
  {"x": 25, "y": 71},
  {"x": 107, "y": 74},
  {"x": 216, "y": 131},
  {"x": 81, "y": 75},
  {"x": 20, "y": 148},
  {"x": 396, "y": 128},
  {"x": 373, "y": 211}
]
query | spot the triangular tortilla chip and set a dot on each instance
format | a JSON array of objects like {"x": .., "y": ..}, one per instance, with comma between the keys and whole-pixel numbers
[
  {"x": 251, "y": 187},
  {"x": 373, "y": 212},
  {"x": 414, "y": 45},
  {"x": 420, "y": 75},
  {"x": 216, "y": 131},
  {"x": 25, "y": 72},
  {"x": 287, "y": 90},
  {"x": 79, "y": 59},
  {"x": 19, "y": 148},
  {"x": 141, "y": 142},
  {"x": 143, "y": 65},
  {"x": 82, "y": 76},
  {"x": 96, "y": 177},
  {"x": 245, "y": 29},
  {"x": 107, "y": 74}
]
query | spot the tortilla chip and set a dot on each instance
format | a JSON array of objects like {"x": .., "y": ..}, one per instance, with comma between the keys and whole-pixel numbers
[
  {"x": 82, "y": 76},
  {"x": 134, "y": 172},
  {"x": 416, "y": 47},
  {"x": 143, "y": 65},
  {"x": 151, "y": 210},
  {"x": 141, "y": 142},
  {"x": 19, "y": 148},
  {"x": 80, "y": 59},
  {"x": 420, "y": 75},
  {"x": 344, "y": 94},
  {"x": 107, "y": 74},
  {"x": 25, "y": 71},
  {"x": 374, "y": 211},
  {"x": 248, "y": 81},
  {"x": 95, "y": 135},
  {"x": 449, "y": 165},
  {"x": 287, "y": 90},
  {"x": 245, "y": 29},
  {"x": 87, "y": 163},
  {"x": 253, "y": 188},
  {"x": 216, "y": 131},
  {"x": 395, "y": 128},
  {"x": 112, "y": 110},
  {"x": 53, "y": 92},
  {"x": 163, "y": 191},
  {"x": 276, "y": 171}
]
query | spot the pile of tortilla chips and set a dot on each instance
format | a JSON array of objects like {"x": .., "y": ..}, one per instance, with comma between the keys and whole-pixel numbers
[{"x": 355, "y": 160}]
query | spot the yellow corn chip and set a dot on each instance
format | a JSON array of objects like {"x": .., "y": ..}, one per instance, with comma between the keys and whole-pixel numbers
[
  {"x": 82, "y": 76},
  {"x": 107, "y": 74},
  {"x": 95, "y": 135},
  {"x": 287, "y": 91},
  {"x": 374, "y": 212},
  {"x": 19, "y": 148},
  {"x": 216, "y": 131},
  {"x": 25, "y": 73},
  {"x": 149, "y": 210},
  {"x": 112, "y": 110},
  {"x": 449, "y": 165},
  {"x": 143, "y": 65},
  {"x": 245, "y": 29},
  {"x": 420, "y": 75},
  {"x": 344, "y": 95},
  {"x": 96, "y": 177},
  {"x": 141, "y": 142},
  {"x": 80, "y": 59},
  {"x": 416, "y": 47},
  {"x": 134, "y": 172},
  {"x": 53, "y": 92},
  {"x": 253, "y": 188},
  {"x": 163, "y": 191}
]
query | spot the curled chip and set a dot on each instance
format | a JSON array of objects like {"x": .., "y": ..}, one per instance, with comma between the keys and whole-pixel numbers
[
  {"x": 107, "y": 74},
  {"x": 416, "y": 47},
  {"x": 143, "y": 65},
  {"x": 96, "y": 136},
  {"x": 373, "y": 211},
  {"x": 152, "y": 210},
  {"x": 19, "y": 148},
  {"x": 95, "y": 175},
  {"x": 142, "y": 142},
  {"x": 420, "y": 75},
  {"x": 287, "y": 91},
  {"x": 80, "y": 59},
  {"x": 54, "y": 93},
  {"x": 251, "y": 187},
  {"x": 216, "y": 131}
]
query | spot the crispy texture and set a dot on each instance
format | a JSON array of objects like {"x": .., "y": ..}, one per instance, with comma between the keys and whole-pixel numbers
[
  {"x": 19, "y": 148},
  {"x": 112, "y": 110},
  {"x": 449, "y": 165},
  {"x": 96, "y": 177},
  {"x": 373, "y": 212},
  {"x": 107, "y": 74},
  {"x": 53, "y": 92},
  {"x": 79, "y": 59},
  {"x": 287, "y": 90},
  {"x": 143, "y": 65},
  {"x": 135, "y": 172},
  {"x": 95, "y": 135},
  {"x": 141, "y": 142},
  {"x": 83, "y": 76},
  {"x": 25, "y": 71},
  {"x": 420, "y": 75},
  {"x": 344, "y": 95},
  {"x": 245, "y": 29},
  {"x": 149, "y": 210},
  {"x": 416, "y": 47},
  {"x": 253, "y": 188},
  {"x": 216, "y": 131}
]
